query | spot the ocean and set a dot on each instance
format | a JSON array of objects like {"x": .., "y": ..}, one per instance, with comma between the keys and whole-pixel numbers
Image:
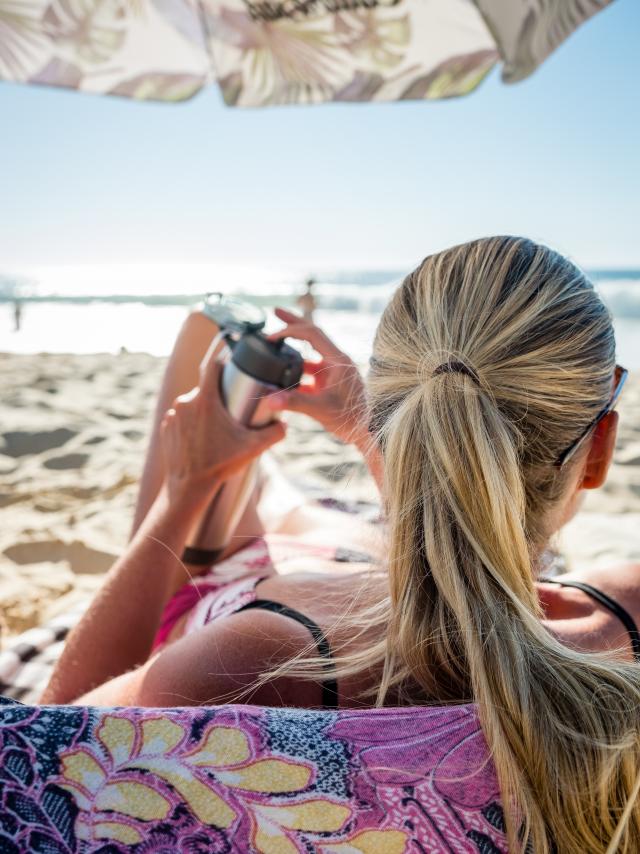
[{"x": 140, "y": 308}]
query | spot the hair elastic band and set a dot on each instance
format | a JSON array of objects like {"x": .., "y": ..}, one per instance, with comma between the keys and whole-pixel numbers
[{"x": 456, "y": 368}]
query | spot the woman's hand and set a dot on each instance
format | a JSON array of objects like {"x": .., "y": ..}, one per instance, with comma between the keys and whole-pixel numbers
[
  {"x": 334, "y": 392},
  {"x": 203, "y": 445}
]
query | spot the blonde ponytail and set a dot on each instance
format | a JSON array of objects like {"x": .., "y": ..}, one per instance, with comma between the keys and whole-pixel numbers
[
  {"x": 468, "y": 454},
  {"x": 489, "y": 361}
]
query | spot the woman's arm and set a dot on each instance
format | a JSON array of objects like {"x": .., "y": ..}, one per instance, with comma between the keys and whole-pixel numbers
[
  {"x": 117, "y": 632},
  {"x": 181, "y": 375},
  {"x": 203, "y": 447}
]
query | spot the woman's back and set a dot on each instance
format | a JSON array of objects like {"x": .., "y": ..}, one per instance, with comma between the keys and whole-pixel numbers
[{"x": 276, "y": 569}]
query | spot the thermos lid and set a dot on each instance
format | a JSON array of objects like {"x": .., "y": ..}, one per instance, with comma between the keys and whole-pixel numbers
[
  {"x": 272, "y": 362},
  {"x": 233, "y": 314}
]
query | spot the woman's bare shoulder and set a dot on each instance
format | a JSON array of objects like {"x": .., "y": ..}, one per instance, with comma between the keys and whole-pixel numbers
[
  {"x": 581, "y": 621},
  {"x": 217, "y": 664},
  {"x": 620, "y": 582}
]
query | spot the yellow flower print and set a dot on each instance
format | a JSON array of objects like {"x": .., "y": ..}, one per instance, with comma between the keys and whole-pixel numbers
[
  {"x": 132, "y": 771},
  {"x": 316, "y": 816},
  {"x": 369, "y": 842}
]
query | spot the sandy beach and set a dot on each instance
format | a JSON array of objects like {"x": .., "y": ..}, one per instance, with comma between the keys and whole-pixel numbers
[{"x": 73, "y": 436}]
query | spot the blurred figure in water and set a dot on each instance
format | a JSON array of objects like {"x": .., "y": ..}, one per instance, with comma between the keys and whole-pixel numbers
[
  {"x": 306, "y": 302},
  {"x": 17, "y": 315}
]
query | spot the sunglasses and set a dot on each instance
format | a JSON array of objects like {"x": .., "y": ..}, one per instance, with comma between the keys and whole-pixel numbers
[{"x": 621, "y": 375}]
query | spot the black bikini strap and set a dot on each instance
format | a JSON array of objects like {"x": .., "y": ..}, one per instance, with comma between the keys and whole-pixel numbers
[
  {"x": 615, "y": 607},
  {"x": 329, "y": 686}
]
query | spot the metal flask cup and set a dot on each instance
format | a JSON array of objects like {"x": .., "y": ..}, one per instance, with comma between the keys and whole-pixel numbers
[{"x": 256, "y": 368}]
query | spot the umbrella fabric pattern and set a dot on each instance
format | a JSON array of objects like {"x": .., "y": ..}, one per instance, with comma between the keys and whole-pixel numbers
[{"x": 267, "y": 52}]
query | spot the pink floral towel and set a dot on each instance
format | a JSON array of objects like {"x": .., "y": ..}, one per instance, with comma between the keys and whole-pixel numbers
[{"x": 246, "y": 779}]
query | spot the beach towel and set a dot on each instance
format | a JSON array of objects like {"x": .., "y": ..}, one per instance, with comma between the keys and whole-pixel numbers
[
  {"x": 246, "y": 779},
  {"x": 27, "y": 662}
]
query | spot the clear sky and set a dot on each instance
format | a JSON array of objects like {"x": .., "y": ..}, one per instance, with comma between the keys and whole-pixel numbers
[{"x": 87, "y": 179}]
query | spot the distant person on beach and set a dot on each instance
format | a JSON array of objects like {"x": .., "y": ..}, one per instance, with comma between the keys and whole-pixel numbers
[
  {"x": 306, "y": 302},
  {"x": 17, "y": 315},
  {"x": 488, "y": 413}
]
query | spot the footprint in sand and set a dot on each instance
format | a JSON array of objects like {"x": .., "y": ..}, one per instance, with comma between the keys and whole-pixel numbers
[
  {"x": 133, "y": 435},
  {"x": 9, "y": 498},
  {"x": 20, "y": 443},
  {"x": 95, "y": 440},
  {"x": 81, "y": 558},
  {"x": 629, "y": 455},
  {"x": 66, "y": 461}
]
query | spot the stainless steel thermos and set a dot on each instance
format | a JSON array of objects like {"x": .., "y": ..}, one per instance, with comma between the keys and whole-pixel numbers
[{"x": 255, "y": 368}]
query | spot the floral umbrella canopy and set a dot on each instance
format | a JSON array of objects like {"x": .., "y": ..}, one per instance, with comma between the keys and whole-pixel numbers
[{"x": 264, "y": 52}]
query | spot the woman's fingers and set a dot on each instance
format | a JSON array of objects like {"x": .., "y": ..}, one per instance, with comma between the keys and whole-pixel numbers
[
  {"x": 287, "y": 316},
  {"x": 309, "y": 333},
  {"x": 210, "y": 378},
  {"x": 251, "y": 442},
  {"x": 304, "y": 331},
  {"x": 278, "y": 401},
  {"x": 170, "y": 441},
  {"x": 270, "y": 434}
]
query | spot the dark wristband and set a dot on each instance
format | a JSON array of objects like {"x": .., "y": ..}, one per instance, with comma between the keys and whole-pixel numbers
[{"x": 201, "y": 557}]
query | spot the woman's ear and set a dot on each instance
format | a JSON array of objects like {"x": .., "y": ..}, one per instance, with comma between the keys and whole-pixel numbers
[{"x": 603, "y": 443}]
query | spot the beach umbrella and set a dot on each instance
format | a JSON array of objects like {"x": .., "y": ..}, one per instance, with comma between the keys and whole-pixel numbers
[{"x": 263, "y": 52}]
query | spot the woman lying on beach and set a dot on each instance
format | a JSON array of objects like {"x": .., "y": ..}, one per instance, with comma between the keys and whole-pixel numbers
[{"x": 489, "y": 412}]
